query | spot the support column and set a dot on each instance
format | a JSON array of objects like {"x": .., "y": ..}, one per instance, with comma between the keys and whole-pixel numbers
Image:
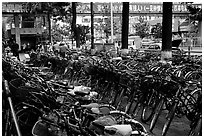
[
  {"x": 49, "y": 27},
  {"x": 92, "y": 29},
  {"x": 17, "y": 31},
  {"x": 112, "y": 22},
  {"x": 166, "y": 53},
  {"x": 125, "y": 27}
]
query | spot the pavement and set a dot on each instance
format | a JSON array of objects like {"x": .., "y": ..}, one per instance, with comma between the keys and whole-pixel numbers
[
  {"x": 193, "y": 50},
  {"x": 180, "y": 125}
]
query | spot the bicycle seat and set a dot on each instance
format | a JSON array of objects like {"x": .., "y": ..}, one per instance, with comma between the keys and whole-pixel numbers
[
  {"x": 91, "y": 105},
  {"x": 82, "y": 99},
  {"x": 199, "y": 85},
  {"x": 62, "y": 85},
  {"x": 96, "y": 109},
  {"x": 192, "y": 82},
  {"x": 149, "y": 76},
  {"x": 81, "y": 93},
  {"x": 119, "y": 130}
]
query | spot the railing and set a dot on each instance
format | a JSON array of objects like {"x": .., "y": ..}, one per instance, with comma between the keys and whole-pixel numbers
[{"x": 192, "y": 42}]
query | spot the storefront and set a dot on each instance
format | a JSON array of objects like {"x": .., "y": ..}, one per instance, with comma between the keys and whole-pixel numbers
[{"x": 27, "y": 29}]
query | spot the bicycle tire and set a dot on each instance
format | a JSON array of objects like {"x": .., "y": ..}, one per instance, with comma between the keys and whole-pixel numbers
[
  {"x": 26, "y": 127},
  {"x": 147, "y": 114},
  {"x": 194, "y": 75},
  {"x": 191, "y": 100},
  {"x": 196, "y": 131},
  {"x": 119, "y": 115},
  {"x": 112, "y": 108},
  {"x": 8, "y": 124},
  {"x": 138, "y": 99},
  {"x": 120, "y": 98},
  {"x": 169, "y": 119},
  {"x": 136, "y": 126},
  {"x": 156, "y": 114}
]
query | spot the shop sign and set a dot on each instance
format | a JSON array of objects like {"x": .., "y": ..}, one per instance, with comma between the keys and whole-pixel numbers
[
  {"x": 13, "y": 7},
  {"x": 133, "y": 8}
]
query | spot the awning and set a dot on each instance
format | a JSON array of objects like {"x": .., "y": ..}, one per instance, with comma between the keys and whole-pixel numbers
[
  {"x": 185, "y": 26},
  {"x": 155, "y": 21}
]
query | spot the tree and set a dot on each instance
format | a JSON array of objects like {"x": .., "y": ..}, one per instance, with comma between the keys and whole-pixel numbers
[
  {"x": 60, "y": 30},
  {"x": 107, "y": 27},
  {"x": 196, "y": 18},
  {"x": 57, "y": 10},
  {"x": 84, "y": 30},
  {"x": 142, "y": 28},
  {"x": 75, "y": 29},
  {"x": 104, "y": 25},
  {"x": 157, "y": 30}
]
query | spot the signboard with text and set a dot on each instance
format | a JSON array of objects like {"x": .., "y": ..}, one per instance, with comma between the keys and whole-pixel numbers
[
  {"x": 133, "y": 8},
  {"x": 13, "y": 7}
]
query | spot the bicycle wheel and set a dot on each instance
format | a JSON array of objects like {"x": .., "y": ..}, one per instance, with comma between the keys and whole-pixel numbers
[
  {"x": 156, "y": 114},
  {"x": 169, "y": 119},
  {"x": 137, "y": 128},
  {"x": 197, "y": 130},
  {"x": 138, "y": 100},
  {"x": 120, "y": 116},
  {"x": 194, "y": 75},
  {"x": 148, "y": 109},
  {"x": 27, "y": 118},
  {"x": 8, "y": 128},
  {"x": 112, "y": 108},
  {"x": 191, "y": 99}
]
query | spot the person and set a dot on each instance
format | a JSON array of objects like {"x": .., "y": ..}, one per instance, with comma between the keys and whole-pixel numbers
[
  {"x": 55, "y": 48},
  {"x": 23, "y": 48},
  {"x": 62, "y": 50},
  {"x": 14, "y": 49}
]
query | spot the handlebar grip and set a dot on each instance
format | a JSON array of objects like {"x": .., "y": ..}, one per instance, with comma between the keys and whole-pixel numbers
[
  {"x": 47, "y": 119},
  {"x": 7, "y": 91}
]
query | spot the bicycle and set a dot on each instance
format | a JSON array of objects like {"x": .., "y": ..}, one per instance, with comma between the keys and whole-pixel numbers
[
  {"x": 11, "y": 124},
  {"x": 176, "y": 101}
]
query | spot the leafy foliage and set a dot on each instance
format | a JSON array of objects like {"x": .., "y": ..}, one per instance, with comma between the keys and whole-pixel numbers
[
  {"x": 59, "y": 10},
  {"x": 157, "y": 30},
  {"x": 142, "y": 28},
  {"x": 105, "y": 23},
  {"x": 196, "y": 13},
  {"x": 83, "y": 32},
  {"x": 59, "y": 31}
]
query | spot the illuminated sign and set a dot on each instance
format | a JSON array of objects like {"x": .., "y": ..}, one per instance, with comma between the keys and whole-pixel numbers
[
  {"x": 105, "y": 7},
  {"x": 133, "y": 8},
  {"x": 13, "y": 7}
]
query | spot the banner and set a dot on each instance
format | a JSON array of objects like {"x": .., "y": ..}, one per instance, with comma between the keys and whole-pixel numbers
[{"x": 133, "y": 7}]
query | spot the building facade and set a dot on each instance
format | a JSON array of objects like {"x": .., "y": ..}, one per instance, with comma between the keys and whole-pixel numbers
[{"x": 27, "y": 29}]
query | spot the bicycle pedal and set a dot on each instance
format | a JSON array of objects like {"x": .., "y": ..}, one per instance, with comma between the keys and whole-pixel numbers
[{"x": 178, "y": 115}]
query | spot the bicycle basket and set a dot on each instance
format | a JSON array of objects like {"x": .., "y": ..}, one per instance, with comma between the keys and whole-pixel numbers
[
  {"x": 124, "y": 80},
  {"x": 97, "y": 124},
  {"x": 18, "y": 88},
  {"x": 42, "y": 128},
  {"x": 169, "y": 89}
]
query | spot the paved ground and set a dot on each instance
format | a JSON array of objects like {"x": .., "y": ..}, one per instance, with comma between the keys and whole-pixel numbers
[
  {"x": 194, "y": 50},
  {"x": 180, "y": 126}
]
